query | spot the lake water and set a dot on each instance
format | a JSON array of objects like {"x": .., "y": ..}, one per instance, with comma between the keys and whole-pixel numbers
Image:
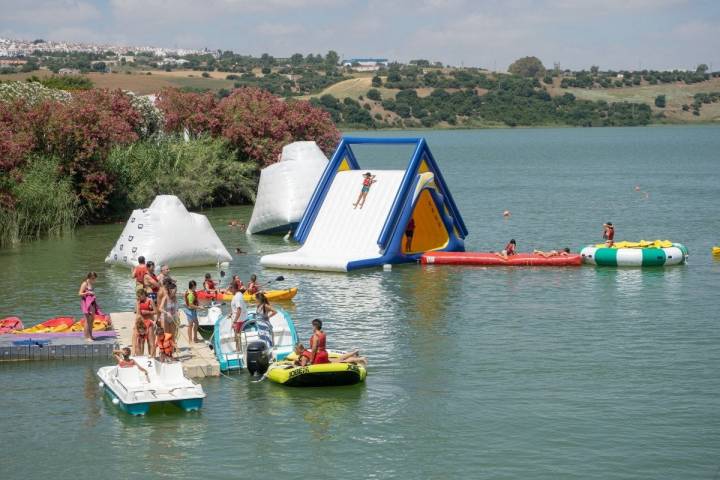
[{"x": 592, "y": 373}]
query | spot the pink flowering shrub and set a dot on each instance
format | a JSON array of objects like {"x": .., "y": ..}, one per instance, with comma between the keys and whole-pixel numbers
[{"x": 186, "y": 110}]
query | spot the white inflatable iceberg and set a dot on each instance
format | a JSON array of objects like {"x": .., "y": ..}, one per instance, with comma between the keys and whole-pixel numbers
[
  {"x": 167, "y": 233},
  {"x": 286, "y": 187}
]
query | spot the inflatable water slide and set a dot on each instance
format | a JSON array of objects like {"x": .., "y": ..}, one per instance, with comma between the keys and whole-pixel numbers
[{"x": 336, "y": 236}]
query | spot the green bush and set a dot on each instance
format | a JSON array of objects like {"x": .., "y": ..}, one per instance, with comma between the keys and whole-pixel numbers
[
  {"x": 202, "y": 172},
  {"x": 45, "y": 204},
  {"x": 660, "y": 101},
  {"x": 374, "y": 94}
]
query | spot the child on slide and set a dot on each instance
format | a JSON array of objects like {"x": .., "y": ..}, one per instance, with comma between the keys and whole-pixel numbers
[{"x": 368, "y": 180}]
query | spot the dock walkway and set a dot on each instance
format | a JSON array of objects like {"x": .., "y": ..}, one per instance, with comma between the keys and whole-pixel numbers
[{"x": 197, "y": 358}]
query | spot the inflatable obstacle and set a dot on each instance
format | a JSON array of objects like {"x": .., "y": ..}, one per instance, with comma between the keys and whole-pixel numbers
[
  {"x": 493, "y": 259},
  {"x": 336, "y": 236},
  {"x": 657, "y": 253},
  {"x": 167, "y": 233},
  {"x": 285, "y": 188}
]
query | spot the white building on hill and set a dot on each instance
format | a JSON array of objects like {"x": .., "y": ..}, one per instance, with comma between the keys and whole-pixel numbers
[{"x": 365, "y": 64}]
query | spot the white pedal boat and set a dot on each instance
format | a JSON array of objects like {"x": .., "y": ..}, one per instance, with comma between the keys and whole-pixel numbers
[
  {"x": 278, "y": 340},
  {"x": 130, "y": 389}
]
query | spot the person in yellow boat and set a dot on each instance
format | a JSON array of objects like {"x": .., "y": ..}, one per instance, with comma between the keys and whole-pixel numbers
[{"x": 304, "y": 355}]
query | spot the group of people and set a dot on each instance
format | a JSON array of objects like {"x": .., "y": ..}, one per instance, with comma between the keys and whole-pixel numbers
[
  {"x": 157, "y": 306},
  {"x": 317, "y": 353},
  {"x": 511, "y": 247}
]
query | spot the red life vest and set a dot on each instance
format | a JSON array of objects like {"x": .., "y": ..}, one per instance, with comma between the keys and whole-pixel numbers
[
  {"x": 139, "y": 273},
  {"x": 510, "y": 249},
  {"x": 146, "y": 305},
  {"x": 209, "y": 285},
  {"x": 153, "y": 287},
  {"x": 166, "y": 344}
]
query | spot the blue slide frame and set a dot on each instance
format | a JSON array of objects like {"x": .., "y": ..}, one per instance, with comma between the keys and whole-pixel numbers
[{"x": 421, "y": 154}]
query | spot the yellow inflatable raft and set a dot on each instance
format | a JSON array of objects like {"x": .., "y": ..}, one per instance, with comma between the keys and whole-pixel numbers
[{"x": 322, "y": 375}]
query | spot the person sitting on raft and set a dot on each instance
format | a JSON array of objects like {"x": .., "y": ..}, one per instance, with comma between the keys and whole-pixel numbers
[
  {"x": 209, "y": 284},
  {"x": 609, "y": 234},
  {"x": 239, "y": 286},
  {"x": 303, "y": 357},
  {"x": 124, "y": 361},
  {"x": 553, "y": 253},
  {"x": 165, "y": 345},
  {"x": 253, "y": 287},
  {"x": 508, "y": 250}
]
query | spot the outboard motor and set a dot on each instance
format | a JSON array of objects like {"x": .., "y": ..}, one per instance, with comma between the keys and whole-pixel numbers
[{"x": 258, "y": 357}]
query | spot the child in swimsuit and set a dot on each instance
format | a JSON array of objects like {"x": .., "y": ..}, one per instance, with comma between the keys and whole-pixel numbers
[{"x": 368, "y": 180}]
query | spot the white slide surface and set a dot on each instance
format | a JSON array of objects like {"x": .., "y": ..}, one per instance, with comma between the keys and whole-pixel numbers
[{"x": 341, "y": 233}]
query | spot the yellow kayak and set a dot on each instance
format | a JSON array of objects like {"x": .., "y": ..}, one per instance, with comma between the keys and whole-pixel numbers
[
  {"x": 716, "y": 251},
  {"x": 321, "y": 375},
  {"x": 272, "y": 295}
]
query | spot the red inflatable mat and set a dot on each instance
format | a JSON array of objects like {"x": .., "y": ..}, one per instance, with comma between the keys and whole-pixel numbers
[{"x": 489, "y": 258}]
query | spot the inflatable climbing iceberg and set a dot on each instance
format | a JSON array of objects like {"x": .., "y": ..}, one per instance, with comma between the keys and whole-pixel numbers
[
  {"x": 167, "y": 233},
  {"x": 286, "y": 187}
]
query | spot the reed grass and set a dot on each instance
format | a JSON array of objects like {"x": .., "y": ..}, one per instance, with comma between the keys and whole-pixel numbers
[{"x": 45, "y": 204}]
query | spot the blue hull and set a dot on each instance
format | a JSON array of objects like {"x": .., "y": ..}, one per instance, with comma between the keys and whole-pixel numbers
[{"x": 140, "y": 409}]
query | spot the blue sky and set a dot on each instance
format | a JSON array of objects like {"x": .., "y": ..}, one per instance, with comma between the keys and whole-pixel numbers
[{"x": 614, "y": 34}]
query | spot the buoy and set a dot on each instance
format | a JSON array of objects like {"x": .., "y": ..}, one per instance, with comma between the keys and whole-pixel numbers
[
  {"x": 637, "y": 188},
  {"x": 115, "y": 401},
  {"x": 506, "y": 213},
  {"x": 387, "y": 267}
]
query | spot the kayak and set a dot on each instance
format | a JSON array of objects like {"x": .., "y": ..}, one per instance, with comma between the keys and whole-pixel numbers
[
  {"x": 100, "y": 324},
  {"x": 657, "y": 253},
  {"x": 493, "y": 259},
  {"x": 716, "y": 251},
  {"x": 54, "y": 325},
  {"x": 272, "y": 295},
  {"x": 320, "y": 375},
  {"x": 9, "y": 324}
]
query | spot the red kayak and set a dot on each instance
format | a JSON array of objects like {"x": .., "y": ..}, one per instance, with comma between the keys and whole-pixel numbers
[
  {"x": 9, "y": 324},
  {"x": 490, "y": 258}
]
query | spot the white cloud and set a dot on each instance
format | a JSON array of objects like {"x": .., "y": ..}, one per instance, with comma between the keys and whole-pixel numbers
[
  {"x": 279, "y": 29},
  {"x": 47, "y": 12}
]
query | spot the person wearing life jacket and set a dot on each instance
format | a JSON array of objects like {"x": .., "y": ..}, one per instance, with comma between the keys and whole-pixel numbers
[
  {"x": 165, "y": 345},
  {"x": 252, "y": 287},
  {"x": 368, "y": 180},
  {"x": 239, "y": 286},
  {"x": 508, "y": 250},
  {"x": 151, "y": 283},
  {"x": 145, "y": 307},
  {"x": 317, "y": 344},
  {"x": 124, "y": 361},
  {"x": 209, "y": 284},
  {"x": 303, "y": 355},
  {"x": 138, "y": 273},
  {"x": 609, "y": 234},
  {"x": 191, "y": 311}
]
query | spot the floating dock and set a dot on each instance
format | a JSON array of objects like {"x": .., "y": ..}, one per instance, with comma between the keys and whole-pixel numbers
[{"x": 197, "y": 358}]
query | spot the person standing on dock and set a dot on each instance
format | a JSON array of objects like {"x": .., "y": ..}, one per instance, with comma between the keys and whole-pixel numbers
[
  {"x": 191, "y": 312},
  {"x": 145, "y": 307},
  {"x": 88, "y": 304},
  {"x": 238, "y": 313},
  {"x": 138, "y": 274}
]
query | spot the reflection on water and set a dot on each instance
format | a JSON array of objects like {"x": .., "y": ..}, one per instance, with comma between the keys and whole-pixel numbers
[{"x": 92, "y": 394}]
